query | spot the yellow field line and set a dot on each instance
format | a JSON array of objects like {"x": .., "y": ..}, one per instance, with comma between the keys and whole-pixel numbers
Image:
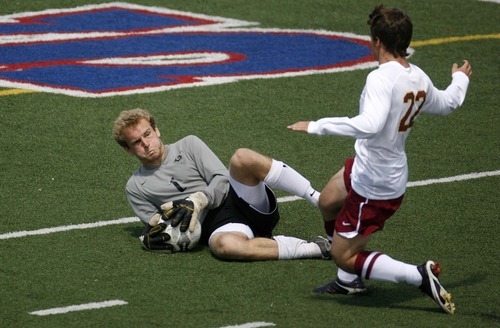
[
  {"x": 11, "y": 92},
  {"x": 430, "y": 42}
]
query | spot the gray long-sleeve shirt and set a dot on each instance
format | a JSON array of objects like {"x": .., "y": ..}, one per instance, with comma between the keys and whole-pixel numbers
[{"x": 188, "y": 167}]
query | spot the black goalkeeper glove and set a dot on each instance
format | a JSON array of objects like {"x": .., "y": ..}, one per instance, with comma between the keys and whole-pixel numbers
[
  {"x": 154, "y": 238},
  {"x": 181, "y": 213},
  {"x": 185, "y": 212}
]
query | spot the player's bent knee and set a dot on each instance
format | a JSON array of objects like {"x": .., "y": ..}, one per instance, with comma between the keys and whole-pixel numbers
[
  {"x": 342, "y": 261},
  {"x": 224, "y": 247},
  {"x": 240, "y": 157}
]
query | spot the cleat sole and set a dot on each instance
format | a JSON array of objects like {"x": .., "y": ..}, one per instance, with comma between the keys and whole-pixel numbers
[{"x": 448, "y": 305}]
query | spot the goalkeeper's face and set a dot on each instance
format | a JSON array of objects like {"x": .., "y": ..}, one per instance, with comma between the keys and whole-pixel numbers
[{"x": 144, "y": 142}]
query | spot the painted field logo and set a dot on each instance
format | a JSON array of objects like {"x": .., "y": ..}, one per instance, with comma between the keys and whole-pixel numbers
[{"x": 119, "y": 49}]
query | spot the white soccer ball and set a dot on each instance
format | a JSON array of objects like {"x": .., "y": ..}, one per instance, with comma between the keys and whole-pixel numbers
[{"x": 183, "y": 241}]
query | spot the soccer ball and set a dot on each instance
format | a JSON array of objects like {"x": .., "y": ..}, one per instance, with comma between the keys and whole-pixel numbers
[{"x": 183, "y": 241}]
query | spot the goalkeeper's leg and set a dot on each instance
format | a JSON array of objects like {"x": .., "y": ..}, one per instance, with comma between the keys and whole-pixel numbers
[
  {"x": 249, "y": 168},
  {"x": 237, "y": 246}
]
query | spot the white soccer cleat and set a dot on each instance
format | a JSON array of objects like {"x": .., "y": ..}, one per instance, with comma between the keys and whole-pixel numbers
[{"x": 432, "y": 287}]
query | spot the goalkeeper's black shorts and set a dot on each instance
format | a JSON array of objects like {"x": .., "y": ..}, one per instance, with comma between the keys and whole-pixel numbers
[{"x": 236, "y": 210}]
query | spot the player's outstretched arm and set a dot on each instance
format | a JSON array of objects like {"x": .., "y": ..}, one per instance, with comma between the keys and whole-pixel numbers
[
  {"x": 466, "y": 68},
  {"x": 299, "y": 126}
]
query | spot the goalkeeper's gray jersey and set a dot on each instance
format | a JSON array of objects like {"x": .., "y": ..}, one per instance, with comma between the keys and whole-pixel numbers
[{"x": 188, "y": 167}]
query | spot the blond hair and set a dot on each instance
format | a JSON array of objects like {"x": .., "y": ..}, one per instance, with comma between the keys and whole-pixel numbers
[{"x": 129, "y": 118}]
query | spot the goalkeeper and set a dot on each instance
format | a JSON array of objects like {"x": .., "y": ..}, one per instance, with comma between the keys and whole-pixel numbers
[{"x": 237, "y": 208}]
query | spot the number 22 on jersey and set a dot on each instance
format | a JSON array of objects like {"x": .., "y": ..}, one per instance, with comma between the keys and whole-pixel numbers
[{"x": 415, "y": 103}]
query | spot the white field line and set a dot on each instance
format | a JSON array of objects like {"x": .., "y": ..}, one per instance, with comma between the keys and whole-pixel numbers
[
  {"x": 285, "y": 199},
  {"x": 81, "y": 307},
  {"x": 252, "y": 325},
  {"x": 475, "y": 175},
  {"x": 46, "y": 231}
]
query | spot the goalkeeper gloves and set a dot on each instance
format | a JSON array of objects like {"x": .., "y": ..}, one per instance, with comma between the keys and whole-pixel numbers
[
  {"x": 154, "y": 239},
  {"x": 185, "y": 212}
]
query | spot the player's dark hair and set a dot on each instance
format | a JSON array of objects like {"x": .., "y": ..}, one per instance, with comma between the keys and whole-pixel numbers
[{"x": 393, "y": 28}]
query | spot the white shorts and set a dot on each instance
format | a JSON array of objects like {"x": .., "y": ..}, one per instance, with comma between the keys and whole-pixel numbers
[{"x": 233, "y": 227}]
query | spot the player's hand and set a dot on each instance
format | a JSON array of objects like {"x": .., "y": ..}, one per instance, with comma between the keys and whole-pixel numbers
[
  {"x": 179, "y": 211},
  {"x": 299, "y": 126},
  {"x": 154, "y": 239},
  {"x": 466, "y": 68},
  {"x": 185, "y": 212}
]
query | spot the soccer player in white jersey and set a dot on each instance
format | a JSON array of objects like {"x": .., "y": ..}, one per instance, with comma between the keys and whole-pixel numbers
[
  {"x": 370, "y": 187},
  {"x": 237, "y": 209}
]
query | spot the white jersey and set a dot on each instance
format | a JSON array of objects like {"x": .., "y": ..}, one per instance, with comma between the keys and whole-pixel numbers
[{"x": 391, "y": 100}]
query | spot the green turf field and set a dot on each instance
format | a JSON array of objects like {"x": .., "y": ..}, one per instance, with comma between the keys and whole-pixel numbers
[{"x": 60, "y": 168}]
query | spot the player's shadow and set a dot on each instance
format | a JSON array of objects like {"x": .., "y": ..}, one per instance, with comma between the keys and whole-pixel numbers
[
  {"x": 393, "y": 297},
  {"x": 134, "y": 231}
]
